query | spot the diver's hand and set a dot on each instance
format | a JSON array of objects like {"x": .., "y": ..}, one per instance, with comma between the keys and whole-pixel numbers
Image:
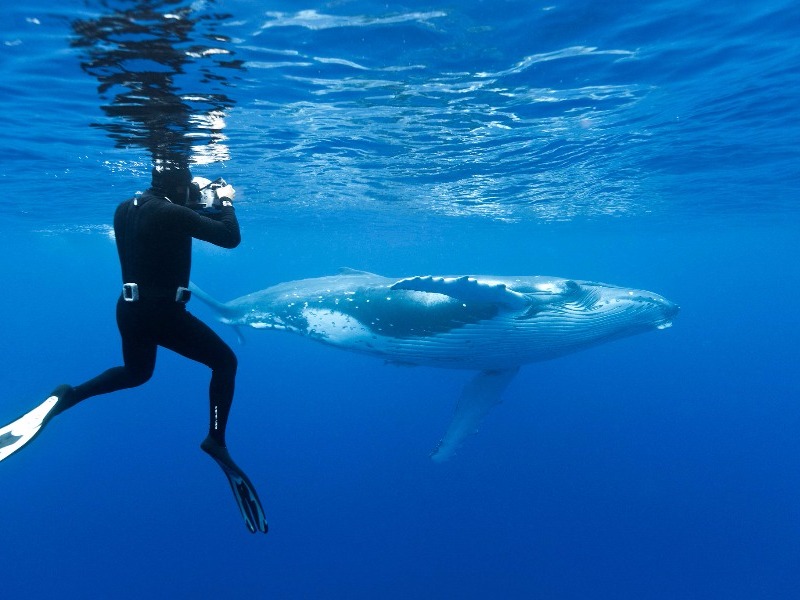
[{"x": 226, "y": 192}]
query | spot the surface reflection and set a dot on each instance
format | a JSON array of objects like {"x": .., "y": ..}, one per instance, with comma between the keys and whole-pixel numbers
[{"x": 163, "y": 71}]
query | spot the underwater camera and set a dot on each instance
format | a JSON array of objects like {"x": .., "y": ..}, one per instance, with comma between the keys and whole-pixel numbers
[{"x": 205, "y": 199}]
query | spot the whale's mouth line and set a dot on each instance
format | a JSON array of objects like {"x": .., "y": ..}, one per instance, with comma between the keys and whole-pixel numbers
[{"x": 665, "y": 309}]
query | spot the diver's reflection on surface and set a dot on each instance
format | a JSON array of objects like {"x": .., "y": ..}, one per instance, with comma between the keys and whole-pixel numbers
[{"x": 162, "y": 68}]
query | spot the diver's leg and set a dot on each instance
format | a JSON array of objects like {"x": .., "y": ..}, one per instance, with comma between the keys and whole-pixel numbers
[
  {"x": 138, "y": 353},
  {"x": 189, "y": 336}
]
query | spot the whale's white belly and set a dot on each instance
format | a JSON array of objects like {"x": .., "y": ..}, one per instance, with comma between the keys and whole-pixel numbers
[{"x": 487, "y": 345}]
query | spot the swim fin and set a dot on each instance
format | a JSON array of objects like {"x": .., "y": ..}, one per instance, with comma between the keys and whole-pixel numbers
[
  {"x": 243, "y": 490},
  {"x": 19, "y": 433}
]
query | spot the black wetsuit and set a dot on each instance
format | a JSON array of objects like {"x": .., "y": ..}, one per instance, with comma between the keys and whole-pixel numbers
[{"x": 154, "y": 241}]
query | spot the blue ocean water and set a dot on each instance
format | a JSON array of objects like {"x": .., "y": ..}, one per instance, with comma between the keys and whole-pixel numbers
[{"x": 652, "y": 145}]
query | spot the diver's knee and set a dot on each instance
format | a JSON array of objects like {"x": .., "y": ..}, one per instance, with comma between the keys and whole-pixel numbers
[
  {"x": 138, "y": 377},
  {"x": 228, "y": 364},
  {"x": 143, "y": 378},
  {"x": 231, "y": 362}
]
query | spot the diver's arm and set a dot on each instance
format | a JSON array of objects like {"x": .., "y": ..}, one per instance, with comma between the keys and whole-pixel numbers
[
  {"x": 223, "y": 230},
  {"x": 230, "y": 224}
]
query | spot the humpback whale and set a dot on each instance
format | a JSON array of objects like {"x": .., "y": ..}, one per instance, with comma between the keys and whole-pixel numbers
[{"x": 489, "y": 324}]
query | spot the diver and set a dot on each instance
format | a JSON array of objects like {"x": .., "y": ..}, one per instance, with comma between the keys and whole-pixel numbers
[{"x": 154, "y": 233}]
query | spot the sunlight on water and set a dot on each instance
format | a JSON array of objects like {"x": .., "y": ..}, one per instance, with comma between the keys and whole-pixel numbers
[
  {"x": 311, "y": 19},
  {"x": 459, "y": 113}
]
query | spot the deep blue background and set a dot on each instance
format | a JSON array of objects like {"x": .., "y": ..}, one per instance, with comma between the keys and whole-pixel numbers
[{"x": 663, "y": 466}]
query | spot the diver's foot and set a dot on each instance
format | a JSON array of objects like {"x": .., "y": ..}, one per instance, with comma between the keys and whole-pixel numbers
[
  {"x": 243, "y": 491},
  {"x": 19, "y": 433},
  {"x": 214, "y": 449},
  {"x": 64, "y": 393}
]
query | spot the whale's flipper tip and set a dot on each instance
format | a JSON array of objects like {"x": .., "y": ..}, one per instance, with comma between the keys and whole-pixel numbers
[
  {"x": 19, "y": 433},
  {"x": 442, "y": 453},
  {"x": 479, "y": 396}
]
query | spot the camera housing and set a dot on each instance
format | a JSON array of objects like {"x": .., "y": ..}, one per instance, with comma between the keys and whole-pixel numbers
[{"x": 206, "y": 199}]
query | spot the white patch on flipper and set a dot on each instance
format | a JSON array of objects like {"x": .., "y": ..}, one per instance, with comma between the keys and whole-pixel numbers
[
  {"x": 428, "y": 299},
  {"x": 336, "y": 327},
  {"x": 465, "y": 289}
]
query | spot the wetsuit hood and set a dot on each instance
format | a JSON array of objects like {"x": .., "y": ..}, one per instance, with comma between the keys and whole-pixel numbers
[{"x": 175, "y": 183}]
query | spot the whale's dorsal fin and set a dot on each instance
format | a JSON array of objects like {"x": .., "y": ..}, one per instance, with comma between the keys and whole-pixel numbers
[
  {"x": 349, "y": 271},
  {"x": 466, "y": 289}
]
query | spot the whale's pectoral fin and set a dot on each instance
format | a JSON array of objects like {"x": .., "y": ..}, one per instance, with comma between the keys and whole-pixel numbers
[
  {"x": 466, "y": 289},
  {"x": 481, "y": 393}
]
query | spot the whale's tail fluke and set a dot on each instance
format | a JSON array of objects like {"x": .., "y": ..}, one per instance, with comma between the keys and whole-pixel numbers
[
  {"x": 225, "y": 313},
  {"x": 479, "y": 395},
  {"x": 222, "y": 309}
]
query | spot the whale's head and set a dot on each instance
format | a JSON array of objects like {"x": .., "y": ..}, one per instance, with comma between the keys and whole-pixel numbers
[
  {"x": 610, "y": 310},
  {"x": 632, "y": 310},
  {"x": 567, "y": 314}
]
